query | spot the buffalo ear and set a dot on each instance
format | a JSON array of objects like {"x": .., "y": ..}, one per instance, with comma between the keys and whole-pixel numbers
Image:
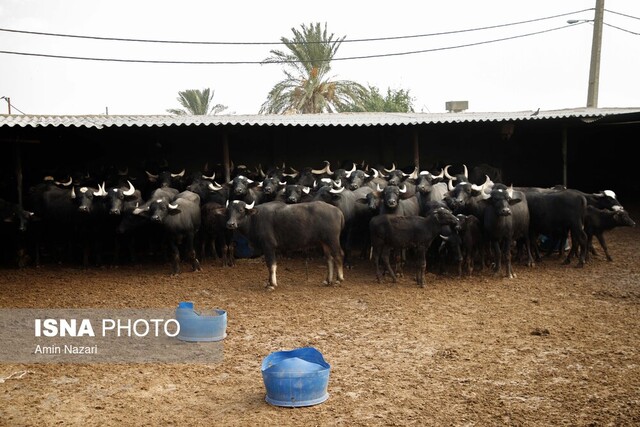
[{"x": 514, "y": 201}]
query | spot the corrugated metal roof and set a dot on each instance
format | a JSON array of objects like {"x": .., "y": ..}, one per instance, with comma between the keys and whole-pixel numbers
[{"x": 338, "y": 119}]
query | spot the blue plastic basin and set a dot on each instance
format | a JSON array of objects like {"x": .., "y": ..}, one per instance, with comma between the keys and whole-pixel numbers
[
  {"x": 196, "y": 327},
  {"x": 295, "y": 378}
]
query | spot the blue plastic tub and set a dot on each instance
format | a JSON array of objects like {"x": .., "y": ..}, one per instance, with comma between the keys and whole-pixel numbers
[
  {"x": 295, "y": 378},
  {"x": 196, "y": 327}
]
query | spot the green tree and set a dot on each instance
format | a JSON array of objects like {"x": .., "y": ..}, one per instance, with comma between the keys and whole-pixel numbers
[
  {"x": 395, "y": 101},
  {"x": 308, "y": 87},
  {"x": 197, "y": 103}
]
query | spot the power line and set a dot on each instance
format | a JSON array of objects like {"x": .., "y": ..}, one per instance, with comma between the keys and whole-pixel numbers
[
  {"x": 621, "y": 29},
  {"x": 622, "y": 14},
  {"x": 118, "y": 39},
  {"x": 147, "y": 61}
]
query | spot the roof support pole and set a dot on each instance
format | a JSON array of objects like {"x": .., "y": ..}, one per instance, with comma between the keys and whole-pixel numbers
[
  {"x": 225, "y": 157},
  {"x": 564, "y": 156},
  {"x": 17, "y": 156},
  {"x": 416, "y": 149}
]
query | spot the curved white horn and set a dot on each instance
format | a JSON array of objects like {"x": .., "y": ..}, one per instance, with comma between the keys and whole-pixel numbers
[
  {"x": 336, "y": 191},
  {"x": 446, "y": 173},
  {"x": 402, "y": 189},
  {"x": 378, "y": 189},
  {"x": 510, "y": 191},
  {"x": 73, "y": 193},
  {"x": 328, "y": 168},
  {"x": 414, "y": 174},
  {"x": 170, "y": 206},
  {"x": 450, "y": 185},
  {"x": 375, "y": 172},
  {"x": 210, "y": 178},
  {"x": 353, "y": 169},
  {"x": 176, "y": 175},
  {"x": 214, "y": 186},
  {"x": 445, "y": 238},
  {"x": 250, "y": 206},
  {"x": 130, "y": 191},
  {"x": 65, "y": 184},
  {"x": 337, "y": 182},
  {"x": 151, "y": 176},
  {"x": 466, "y": 172},
  {"x": 306, "y": 190},
  {"x": 393, "y": 167}
]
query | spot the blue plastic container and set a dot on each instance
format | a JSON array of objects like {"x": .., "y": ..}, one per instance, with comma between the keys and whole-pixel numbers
[
  {"x": 196, "y": 327},
  {"x": 295, "y": 378}
]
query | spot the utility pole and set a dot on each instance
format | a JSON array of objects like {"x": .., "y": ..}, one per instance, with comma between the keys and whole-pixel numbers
[
  {"x": 6, "y": 98},
  {"x": 596, "y": 49}
]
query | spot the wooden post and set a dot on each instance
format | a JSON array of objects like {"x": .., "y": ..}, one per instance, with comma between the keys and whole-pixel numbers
[
  {"x": 225, "y": 156},
  {"x": 18, "y": 166},
  {"x": 416, "y": 149},
  {"x": 564, "y": 157}
]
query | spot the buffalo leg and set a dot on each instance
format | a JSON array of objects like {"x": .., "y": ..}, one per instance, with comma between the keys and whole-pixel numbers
[
  {"x": 175, "y": 258},
  {"x": 506, "y": 250},
  {"x": 603, "y": 243},
  {"x": 191, "y": 253},
  {"x": 422, "y": 268},
  {"x": 387, "y": 263},
  {"x": 272, "y": 266}
]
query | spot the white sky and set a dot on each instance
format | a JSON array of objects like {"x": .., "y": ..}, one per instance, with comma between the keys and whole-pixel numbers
[{"x": 547, "y": 71}]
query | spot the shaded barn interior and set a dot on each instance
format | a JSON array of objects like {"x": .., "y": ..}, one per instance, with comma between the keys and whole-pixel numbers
[{"x": 530, "y": 152}]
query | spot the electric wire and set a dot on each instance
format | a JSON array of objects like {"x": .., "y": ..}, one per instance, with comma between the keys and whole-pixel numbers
[
  {"x": 622, "y": 14},
  {"x": 384, "y": 55},
  {"x": 118, "y": 39},
  {"x": 621, "y": 29}
]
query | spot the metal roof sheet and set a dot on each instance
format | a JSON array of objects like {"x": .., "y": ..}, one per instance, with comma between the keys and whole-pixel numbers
[{"x": 336, "y": 119}]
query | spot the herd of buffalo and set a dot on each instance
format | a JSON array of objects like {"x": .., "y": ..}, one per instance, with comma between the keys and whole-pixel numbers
[{"x": 463, "y": 221}]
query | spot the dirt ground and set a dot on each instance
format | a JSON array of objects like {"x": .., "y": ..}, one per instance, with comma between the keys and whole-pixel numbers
[{"x": 556, "y": 346}]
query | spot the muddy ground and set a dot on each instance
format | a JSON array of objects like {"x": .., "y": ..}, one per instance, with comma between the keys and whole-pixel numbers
[{"x": 556, "y": 346}]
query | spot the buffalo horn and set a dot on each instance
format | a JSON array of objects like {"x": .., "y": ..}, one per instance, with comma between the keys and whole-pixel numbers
[
  {"x": 250, "y": 206},
  {"x": 414, "y": 174},
  {"x": 402, "y": 189},
  {"x": 65, "y": 184},
  {"x": 210, "y": 178},
  {"x": 170, "y": 206},
  {"x": 176, "y": 175},
  {"x": 466, "y": 172},
  {"x": 337, "y": 190},
  {"x": 393, "y": 167},
  {"x": 446, "y": 173},
  {"x": 130, "y": 191}
]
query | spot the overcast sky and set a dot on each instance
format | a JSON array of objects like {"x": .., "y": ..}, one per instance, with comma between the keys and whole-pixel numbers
[{"x": 547, "y": 71}]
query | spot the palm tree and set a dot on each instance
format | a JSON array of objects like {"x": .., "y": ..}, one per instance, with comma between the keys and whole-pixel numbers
[
  {"x": 307, "y": 87},
  {"x": 196, "y": 103}
]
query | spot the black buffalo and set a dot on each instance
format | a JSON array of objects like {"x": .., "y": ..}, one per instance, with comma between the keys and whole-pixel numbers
[
  {"x": 277, "y": 226},
  {"x": 180, "y": 217},
  {"x": 597, "y": 221},
  {"x": 506, "y": 220},
  {"x": 391, "y": 232}
]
